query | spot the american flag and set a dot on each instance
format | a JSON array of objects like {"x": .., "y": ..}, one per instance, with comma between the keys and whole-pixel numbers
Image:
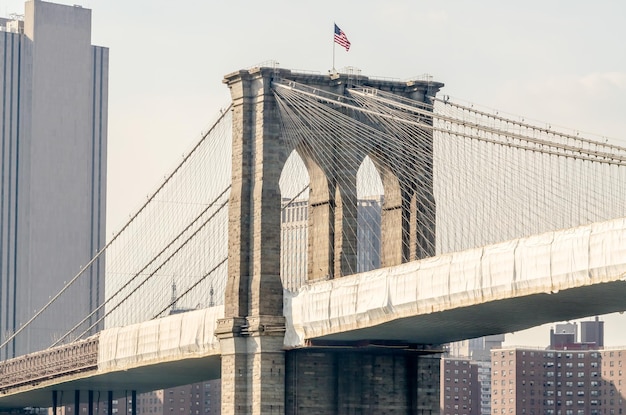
[{"x": 341, "y": 38}]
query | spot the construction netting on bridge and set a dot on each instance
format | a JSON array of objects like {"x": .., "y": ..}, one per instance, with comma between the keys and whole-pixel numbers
[
  {"x": 158, "y": 340},
  {"x": 540, "y": 264},
  {"x": 487, "y": 179}
]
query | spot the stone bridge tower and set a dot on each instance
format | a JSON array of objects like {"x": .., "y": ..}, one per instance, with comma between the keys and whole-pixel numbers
[{"x": 251, "y": 334}]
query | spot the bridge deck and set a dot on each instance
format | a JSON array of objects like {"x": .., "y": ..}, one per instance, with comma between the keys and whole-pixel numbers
[
  {"x": 495, "y": 289},
  {"x": 498, "y": 288},
  {"x": 171, "y": 351}
]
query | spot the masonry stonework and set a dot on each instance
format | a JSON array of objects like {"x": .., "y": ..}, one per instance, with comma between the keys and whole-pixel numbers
[
  {"x": 256, "y": 378},
  {"x": 251, "y": 334},
  {"x": 382, "y": 382}
]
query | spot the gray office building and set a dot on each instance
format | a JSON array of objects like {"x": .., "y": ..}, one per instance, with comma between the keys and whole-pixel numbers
[
  {"x": 592, "y": 332},
  {"x": 53, "y": 137}
]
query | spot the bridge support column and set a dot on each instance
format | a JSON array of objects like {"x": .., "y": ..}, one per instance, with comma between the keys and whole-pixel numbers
[
  {"x": 90, "y": 402},
  {"x": 332, "y": 250},
  {"x": 386, "y": 382},
  {"x": 253, "y": 367},
  {"x": 395, "y": 222},
  {"x": 133, "y": 405},
  {"x": 251, "y": 334},
  {"x": 320, "y": 253},
  {"x": 110, "y": 403},
  {"x": 346, "y": 223},
  {"x": 55, "y": 401},
  {"x": 76, "y": 401},
  {"x": 408, "y": 213}
]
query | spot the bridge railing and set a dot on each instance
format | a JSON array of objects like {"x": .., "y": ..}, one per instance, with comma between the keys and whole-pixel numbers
[{"x": 31, "y": 369}]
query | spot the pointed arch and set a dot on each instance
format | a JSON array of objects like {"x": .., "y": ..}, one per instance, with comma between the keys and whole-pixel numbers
[
  {"x": 370, "y": 195},
  {"x": 294, "y": 191},
  {"x": 394, "y": 225}
]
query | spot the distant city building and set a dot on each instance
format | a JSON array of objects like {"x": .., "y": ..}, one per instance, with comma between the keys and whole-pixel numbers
[
  {"x": 477, "y": 352},
  {"x": 202, "y": 398},
  {"x": 294, "y": 243},
  {"x": 53, "y": 133},
  {"x": 369, "y": 233},
  {"x": 478, "y": 349},
  {"x": 460, "y": 388},
  {"x": 569, "y": 378},
  {"x": 194, "y": 399},
  {"x": 147, "y": 403},
  {"x": 484, "y": 381},
  {"x": 592, "y": 332},
  {"x": 563, "y": 334},
  {"x": 101, "y": 406}
]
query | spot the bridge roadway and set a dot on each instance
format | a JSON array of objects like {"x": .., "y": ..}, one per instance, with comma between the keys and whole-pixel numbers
[{"x": 498, "y": 288}]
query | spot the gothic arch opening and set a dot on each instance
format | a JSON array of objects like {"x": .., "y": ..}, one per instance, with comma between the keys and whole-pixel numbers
[
  {"x": 395, "y": 214},
  {"x": 294, "y": 192},
  {"x": 370, "y": 197}
]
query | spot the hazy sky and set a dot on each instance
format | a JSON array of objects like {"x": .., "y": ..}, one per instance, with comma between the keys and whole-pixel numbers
[{"x": 562, "y": 62}]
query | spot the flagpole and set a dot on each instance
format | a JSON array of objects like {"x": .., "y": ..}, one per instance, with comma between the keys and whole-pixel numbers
[{"x": 334, "y": 47}]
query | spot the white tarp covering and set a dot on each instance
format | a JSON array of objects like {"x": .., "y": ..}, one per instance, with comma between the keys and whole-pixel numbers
[
  {"x": 168, "y": 338},
  {"x": 544, "y": 263}
]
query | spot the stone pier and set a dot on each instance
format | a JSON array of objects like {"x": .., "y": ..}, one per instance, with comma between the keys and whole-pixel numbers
[{"x": 256, "y": 378}]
